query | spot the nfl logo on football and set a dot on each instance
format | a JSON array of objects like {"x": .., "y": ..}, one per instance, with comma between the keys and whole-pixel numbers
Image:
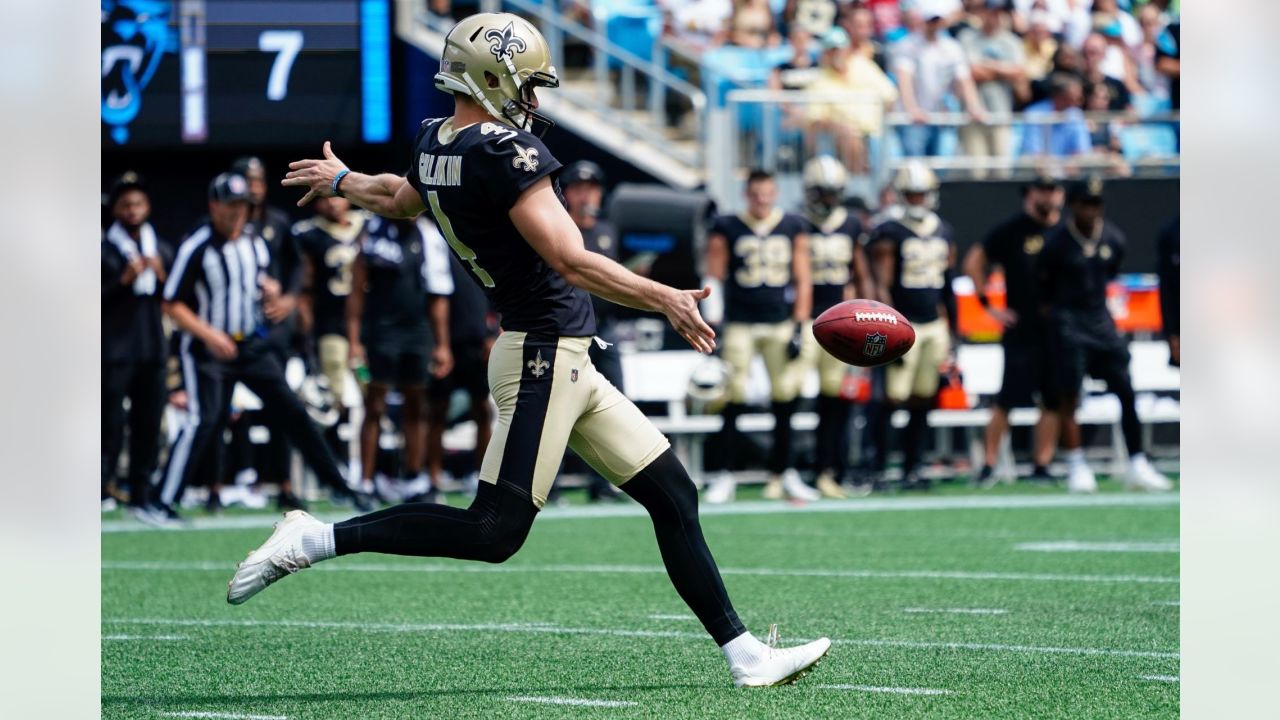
[{"x": 875, "y": 344}]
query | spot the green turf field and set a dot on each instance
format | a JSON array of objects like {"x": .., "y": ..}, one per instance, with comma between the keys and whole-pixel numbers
[{"x": 1013, "y": 605}]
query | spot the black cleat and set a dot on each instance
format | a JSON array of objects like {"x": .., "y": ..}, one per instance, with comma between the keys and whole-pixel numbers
[{"x": 286, "y": 501}]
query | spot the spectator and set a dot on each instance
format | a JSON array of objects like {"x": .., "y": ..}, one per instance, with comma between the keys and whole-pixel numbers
[
  {"x": 1060, "y": 138},
  {"x": 996, "y": 61},
  {"x": 1095, "y": 73},
  {"x": 800, "y": 70},
  {"x": 1169, "y": 9},
  {"x": 1039, "y": 46},
  {"x": 1168, "y": 61},
  {"x": 751, "y": 25},
  {"x": 927, "y": 65},
  {"x": 815, "y": 17},
  {"x": 849, "y": 69},
  {"x": 133, "y": 342},
  {"x": 698, "y": 22},
  {"x": 1052, "y": 13},
  {"x": 1153, "y": 82},
  {"x": 1085, "y": 19},
  {"x": 1104, "y": 135}
]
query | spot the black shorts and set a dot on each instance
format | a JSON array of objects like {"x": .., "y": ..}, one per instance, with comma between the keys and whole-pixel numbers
[
  {"x": 470, "y": 373},
  {"x": 398, "y": 367},
  {"x": 1028, "y": 374},
  {"x": 1088, "y": 345}
]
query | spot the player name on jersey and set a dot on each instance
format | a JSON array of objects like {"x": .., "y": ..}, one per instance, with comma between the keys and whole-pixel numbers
[{"x": 440, "y": 169}]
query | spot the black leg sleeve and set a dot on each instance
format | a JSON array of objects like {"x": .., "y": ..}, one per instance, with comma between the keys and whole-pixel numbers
[
  {"x": 729, "y": 435},
  {"x": 491, "y": 530},
  {"x": 115, "y": 383},
  {"x": 286, "y": 414},
  {"x": 146, "y": 400},
  {"x": 833, "y": 427},
  {"x": 913, "y": 439},
  {"x": 667, "y": 492},
  {"x": 780, "y": 454},
  {"x": 1129, "y": 423}
]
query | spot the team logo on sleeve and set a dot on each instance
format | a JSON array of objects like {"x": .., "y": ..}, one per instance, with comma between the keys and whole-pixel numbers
[
  {"x": 526, "y": 158},
  {"x": 505, "y": 42},
  {"x": 875, "y": 344},
  {"x": 538, "y": 366}
]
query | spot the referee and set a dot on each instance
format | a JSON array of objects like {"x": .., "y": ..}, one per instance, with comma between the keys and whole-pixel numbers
[{"x": 219, "y": 294}]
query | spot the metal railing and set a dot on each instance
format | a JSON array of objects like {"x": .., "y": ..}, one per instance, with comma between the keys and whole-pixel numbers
[
  {"x": 771, "y": 129},
  {"x": 605, "y": 96}
]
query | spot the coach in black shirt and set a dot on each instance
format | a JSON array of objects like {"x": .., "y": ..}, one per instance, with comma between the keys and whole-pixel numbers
[
  {"x": 1169, "y": 265},
  {"x": 1080, "y": 257},
  {"x": 133, "y": 342},
  {"x": 217, "y": 294},
  {"x": 1015, "y": 246}
]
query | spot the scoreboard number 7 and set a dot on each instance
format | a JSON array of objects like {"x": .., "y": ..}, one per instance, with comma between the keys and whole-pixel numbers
[{"x": 286, "y": 44}]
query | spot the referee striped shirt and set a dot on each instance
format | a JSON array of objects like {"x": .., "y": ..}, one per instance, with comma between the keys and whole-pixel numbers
[{"x": 218, "y": 278}]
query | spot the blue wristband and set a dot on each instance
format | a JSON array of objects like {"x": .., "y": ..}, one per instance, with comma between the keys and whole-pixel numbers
[{"x": 338, "y": 179}]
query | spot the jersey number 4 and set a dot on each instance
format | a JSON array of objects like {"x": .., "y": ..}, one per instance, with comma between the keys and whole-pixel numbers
[{"x": 465, "y": 253}]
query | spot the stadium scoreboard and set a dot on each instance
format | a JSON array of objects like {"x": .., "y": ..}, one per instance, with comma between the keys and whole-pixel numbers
[{"x": 245, "y": 72}]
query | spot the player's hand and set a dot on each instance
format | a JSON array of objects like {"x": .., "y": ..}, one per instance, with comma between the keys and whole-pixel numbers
[
  {"x": 132, "y": 271},
  {"x": 271, "y": 289},
  {"x": 794, "y": 345},
  {"x": 178, "y": 399},
  {"x": 221, "y": 345},
  {"x": 1006, "y": 318},
  {"x": 441, "y": 361},
  {"x": 681, "y": 309},
  {"x": 355, "y": 354},
  {"x": 280, "y": 307},
  {"x": 315, "y": 175}
]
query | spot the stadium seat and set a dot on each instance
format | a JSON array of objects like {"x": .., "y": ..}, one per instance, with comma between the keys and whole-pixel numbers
[{"x": 1142, "y": 141}]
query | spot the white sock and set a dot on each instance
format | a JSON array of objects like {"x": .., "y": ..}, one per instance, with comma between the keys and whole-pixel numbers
[
  {"x": 1137, "y": 458},
  {"x": 1075, "y": 457},
  {"x": 743, "y": 650},
  {"x": 318, "y": 544}
]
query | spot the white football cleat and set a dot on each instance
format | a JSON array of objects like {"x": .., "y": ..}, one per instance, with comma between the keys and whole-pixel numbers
[
  {"x": 796, "y": 489},
  {"x": 721, "y": 490},
  {"x": 280, "y": 555},
  {"x": 780, "y": 666},
  {"x": 1080, "y": 479},
  {"x": 1142, "y": 476}
]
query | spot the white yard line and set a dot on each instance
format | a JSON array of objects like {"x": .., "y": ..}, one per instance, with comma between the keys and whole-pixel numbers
[
  {"x": 977, "y": 502},
  {"x": 618, "y": 632},
  {"x": 227, "y": 567},
  {"x": 661, "y": 616},
  {"x": 891, "y": 690},
  {"x": 1163, "y": 546},
  {"x": 145, "y": 637},
  {"x": 957, "y": 611},
  {"x": 223, "y": 715},
  {"x": 581, "y": 702},
  {"x": 1160, "y": 678},
  {"x": 1168, "y": 603}
]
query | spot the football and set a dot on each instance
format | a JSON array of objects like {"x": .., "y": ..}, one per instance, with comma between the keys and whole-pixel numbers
[{"x": 865, "y": 333}]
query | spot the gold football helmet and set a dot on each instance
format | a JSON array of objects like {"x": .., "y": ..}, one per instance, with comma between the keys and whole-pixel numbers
[
  {"x": 498, "y": 59},
  {"x": 824, "y": 183},
  {"x": 915, "y": 178}
]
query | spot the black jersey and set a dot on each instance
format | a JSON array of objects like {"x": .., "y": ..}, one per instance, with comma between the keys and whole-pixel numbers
[
  {"x": 332, "y": 249},
  {"x": 1074, "y": 270},
  {"x": 759, "y": 287},
  {"x": 1169, "y": 267},
  {"x": 469, "y": 179},
  {"x": 469, "y": 316},
  {"x": 1015, "y": 245},
  {"x": 922, "y": 263},
  {"x": 832, "y": 243},
  {"x": 395, "y": 300},
  {"x": 131, "y": 326},
  {"x": 602, "y": 238}
]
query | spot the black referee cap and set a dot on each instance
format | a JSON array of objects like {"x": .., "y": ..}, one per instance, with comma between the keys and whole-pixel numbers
[
  {"x": 129, "y": 180},
  {"x": 248, "y": 165},
  {"x": 580, "y": 172},
  {"x": 229, "y": 187},
  {"x": 1086, "y": 191},
  {"x": 1043, "y": 181}
]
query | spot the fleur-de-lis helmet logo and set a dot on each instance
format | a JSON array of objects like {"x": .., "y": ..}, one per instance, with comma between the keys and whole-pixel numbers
[{"x": 505, "y": 42}]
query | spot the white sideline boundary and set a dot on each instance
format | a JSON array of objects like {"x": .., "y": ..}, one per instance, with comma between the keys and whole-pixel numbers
[
  {"x": 1161, "y": 678},
  {"x": 955, "y": 611},
  {"x": 620, "y": 632},
  {"x": 222, "y": 715},
  {"x": 761, "y": 507},
  {"x": 578, "y": 702},
  {"x": 662, "y": 616},
  {"x": 891, "y": 690},
  {"x": 227, "y": 567},
  {"x": 1162, "y": 546},
  {"x": 158, "y": 638}
]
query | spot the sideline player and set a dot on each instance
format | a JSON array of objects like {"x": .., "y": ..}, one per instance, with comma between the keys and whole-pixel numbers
[
  {"x": 839, "y": 269},
  {"x": 1015, "y": 246},
  {"x": 762, "y": 258},
  {"x": 490, "y": 183},
  {"x": 912, "y": 252},
  {"x": 1079, "y": 258}
]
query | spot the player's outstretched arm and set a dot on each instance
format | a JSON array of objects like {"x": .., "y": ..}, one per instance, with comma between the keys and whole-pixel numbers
[
  {"x": 387, "y": 195},
  {"x": 547, "y": 227}
]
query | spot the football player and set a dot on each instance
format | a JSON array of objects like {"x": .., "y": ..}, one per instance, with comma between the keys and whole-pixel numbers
[
  {"x": 1079, "y": 258},
  {"x": 491, "y": 185},
  {"x": 1015, "y": 246},
  {"x": 328, "y": 245},
  {"x": 762, "y": 259},
  {"x": 839, "y": 270},
  {"x": 399, "y": 328},
  {"x": 912, "y": 251}
]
